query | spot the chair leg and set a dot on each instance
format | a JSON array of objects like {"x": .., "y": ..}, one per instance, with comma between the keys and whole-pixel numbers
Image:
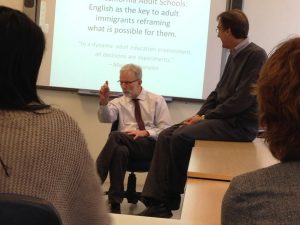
[{"x": 130, "y": 194}]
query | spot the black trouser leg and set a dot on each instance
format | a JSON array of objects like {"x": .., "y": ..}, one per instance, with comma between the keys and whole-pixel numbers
[
  {"x": 114, "y": 158},
  {"x": 168, "y": 173},
  {"x": 117, "y": 173},
  {"x": 156, "y": 185}
]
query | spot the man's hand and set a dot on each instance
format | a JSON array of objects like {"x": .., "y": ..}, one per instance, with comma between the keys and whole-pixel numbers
[
  {"x": 193, "y": 119},
  {"x": 104, "y": 94},
  {"x": 137, "y": 133}
]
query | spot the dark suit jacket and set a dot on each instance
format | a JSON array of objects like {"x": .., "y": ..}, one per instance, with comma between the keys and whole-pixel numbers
[{"x": 232, "y": 99}]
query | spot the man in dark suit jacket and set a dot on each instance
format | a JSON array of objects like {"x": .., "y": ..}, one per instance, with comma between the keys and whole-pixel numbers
[{"x": 228, "y": 114}]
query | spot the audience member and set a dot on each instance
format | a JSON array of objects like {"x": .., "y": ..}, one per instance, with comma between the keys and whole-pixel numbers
[
  {"x": 271, "y": 195},
  {"x": 42, "y": 151}
]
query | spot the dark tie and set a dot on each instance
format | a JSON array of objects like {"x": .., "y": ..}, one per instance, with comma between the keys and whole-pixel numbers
[{"x": 138, "y": 115}]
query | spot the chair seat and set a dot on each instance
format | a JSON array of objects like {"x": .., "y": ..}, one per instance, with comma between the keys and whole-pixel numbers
[
  {"x": 135, "y": 166},
  {"x": 138, "y": 166},
  {"x": 20, "y": 210}
]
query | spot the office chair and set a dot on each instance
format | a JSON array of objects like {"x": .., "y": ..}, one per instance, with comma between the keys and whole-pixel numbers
[
  {"x": 133, "y": 166},
  {"x": 25, "y": 210}
]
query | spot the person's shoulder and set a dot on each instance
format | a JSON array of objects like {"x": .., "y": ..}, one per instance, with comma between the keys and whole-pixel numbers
[
  {"x": 153, "y": 95},
  {"x": 159, "y": 99},
  {"x": 120, "y": 99},
  {"x": 57, "y": 116},
  {"x": 256, "y": 49},
  {"x": 274, "y": 178},
  {"x": 53, "y": 112},
  {"x": 267, "y": 174}
]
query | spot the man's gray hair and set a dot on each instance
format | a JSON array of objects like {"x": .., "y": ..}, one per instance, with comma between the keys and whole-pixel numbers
[{"x": 134, "y": 68}]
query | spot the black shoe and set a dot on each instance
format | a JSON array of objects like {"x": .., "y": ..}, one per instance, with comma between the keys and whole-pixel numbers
[
  {"x": 115, "y": 208},
  {"x": 157, "y": 211},
  {"x": 173, "y": 201}
]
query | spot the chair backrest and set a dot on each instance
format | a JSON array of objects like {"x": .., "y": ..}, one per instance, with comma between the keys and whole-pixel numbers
[{"x": 25, "y": 210}]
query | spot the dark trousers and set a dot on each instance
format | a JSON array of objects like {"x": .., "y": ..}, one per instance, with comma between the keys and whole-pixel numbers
[
  {"x": 168, "y": 173},
  {"x": 114, "y": 158}
]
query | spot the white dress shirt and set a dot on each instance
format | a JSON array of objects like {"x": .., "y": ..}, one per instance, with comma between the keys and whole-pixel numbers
[{"x": 154, "y": 110}]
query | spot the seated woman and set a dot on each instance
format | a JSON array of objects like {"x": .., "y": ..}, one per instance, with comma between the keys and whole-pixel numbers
[
  {"x": 42, "y": 151},
  {"x": 271, "y": 195}
]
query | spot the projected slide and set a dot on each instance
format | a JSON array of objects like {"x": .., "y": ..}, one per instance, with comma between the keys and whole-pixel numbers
[{"x": 92, "y": 39}]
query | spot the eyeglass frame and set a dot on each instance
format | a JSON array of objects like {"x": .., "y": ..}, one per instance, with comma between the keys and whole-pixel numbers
[
  {"x": 127, "y": 82},
  {"x": 218, "y": 29}
]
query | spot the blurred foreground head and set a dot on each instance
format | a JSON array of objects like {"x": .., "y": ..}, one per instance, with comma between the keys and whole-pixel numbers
[
  {"x": 278, "y": 93},
  {"x": 22, "y": 44}
]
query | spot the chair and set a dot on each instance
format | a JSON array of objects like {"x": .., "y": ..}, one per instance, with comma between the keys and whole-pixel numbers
[
  {"x": 133, "y": 166},
  {"x": 25, "y": 210}
]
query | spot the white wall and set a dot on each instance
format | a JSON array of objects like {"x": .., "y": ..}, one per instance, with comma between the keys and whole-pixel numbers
[
  {"x": 272, "y": 21},
  {"x": 16, "y": 4}
]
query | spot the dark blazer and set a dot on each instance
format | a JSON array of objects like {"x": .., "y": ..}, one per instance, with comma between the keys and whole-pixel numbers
[{"x": 232, "y": 99}]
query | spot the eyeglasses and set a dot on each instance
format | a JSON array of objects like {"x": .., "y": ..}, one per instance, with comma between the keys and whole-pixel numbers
[
  {"x": 218, "y": 29},
  {"x": 127, "y": 82}
]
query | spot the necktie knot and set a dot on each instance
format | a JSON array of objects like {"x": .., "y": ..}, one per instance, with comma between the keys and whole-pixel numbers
[{"x": 137, "y": 114}]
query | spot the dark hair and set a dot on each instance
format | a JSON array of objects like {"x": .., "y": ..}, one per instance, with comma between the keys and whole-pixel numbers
[
  {"x": 22, "y": 45},
  {"x": 278, "y": 94},
  {"x": 236, "y": 21}
]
